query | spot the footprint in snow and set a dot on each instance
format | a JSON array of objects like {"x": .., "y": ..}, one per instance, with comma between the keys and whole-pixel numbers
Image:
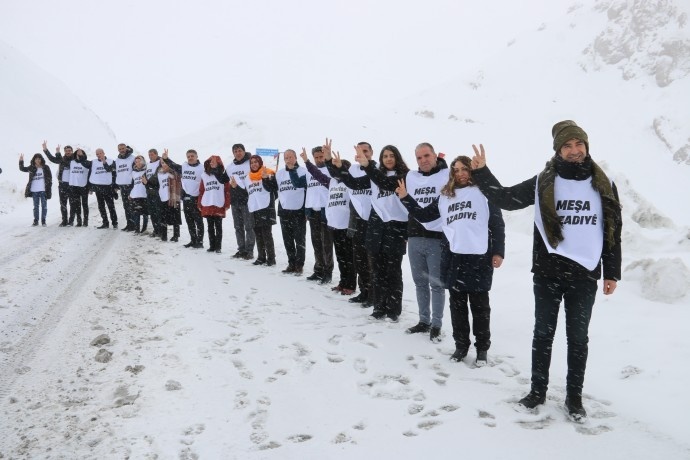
[
  {"x": 335, "y": 340},
  {"x": 360, "y": 365},
  {"x": 630, "y": 371},
  {"x": 415, "y": 409},
  {"x": 593, "y": 430},
  {"x": 341, "y": 438},
  {"x": 244, "y": 373},
  {"x": 241, "y": 400},
  {"x": 299, "y": 437},
  {"x": 535, "y": 424},
  {"x": 335, "y": 358},
  {"x": 428, "y": 424},
  {"x": 190, "y": 433},
  {"x": 489, "y": 419},
  {"x": 275, "y": 375}
]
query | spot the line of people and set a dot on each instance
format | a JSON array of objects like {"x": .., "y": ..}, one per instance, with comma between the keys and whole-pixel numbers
[{"x": 448, "y": 220}]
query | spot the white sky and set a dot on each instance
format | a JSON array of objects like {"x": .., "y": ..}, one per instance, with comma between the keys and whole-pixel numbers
[{"x": 155, "y": 70}]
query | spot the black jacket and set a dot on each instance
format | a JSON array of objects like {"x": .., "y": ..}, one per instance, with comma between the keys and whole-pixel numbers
[
  {"x": 465, "y": 272},
  {"x": 47, "y": 178},
  {"x": 271, "y": 184},
  {"x": 238, "y": 195},
  {"x": 381, "y": 236},
  {"x": 63, "y": 161},
  {"x": 544, "y": 263}
]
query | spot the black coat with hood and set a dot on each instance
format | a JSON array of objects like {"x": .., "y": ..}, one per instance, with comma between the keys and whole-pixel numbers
[{"x": 31, "y": 169}]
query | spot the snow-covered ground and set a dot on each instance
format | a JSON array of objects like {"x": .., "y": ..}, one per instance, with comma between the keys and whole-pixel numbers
[
  {"x": 215, "y": 358},
  {"x": 211, "y": 357}
]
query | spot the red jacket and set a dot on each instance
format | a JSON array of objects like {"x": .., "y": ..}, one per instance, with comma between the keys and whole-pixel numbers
[{"x": 213, "y": 211}]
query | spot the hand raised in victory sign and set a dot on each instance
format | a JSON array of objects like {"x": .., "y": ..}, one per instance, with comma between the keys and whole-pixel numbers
[
  {"x": 45, "y": 145},
  {"x": 327, "y": 148},
  {"x": 303, "y": 155},
  {"x": 165, "y": 154},
  {"x": 360, "y": 157},
  {"x": 336, "y": 161},
  {"x": 264, "y": 174},
  {"x": 21, "y": 157},
  {"x": 233, "y": 182},
  {"x": 479, "y": 158},
  {"x": 401, "y": 190}
]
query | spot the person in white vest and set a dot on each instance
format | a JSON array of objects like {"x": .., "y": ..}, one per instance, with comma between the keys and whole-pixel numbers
[
  {"x": 424, "y": 243},
  {"x": 291, "y": 212},
  {"x": 338, "y": 219},
  {"x": 168, "y": 184},
  {"x": 241, "y": 217},
  {"x": 123, "y": 181},
  {"x": 39, "y": 186},
  {"x": 79, "y": 189},
  {"x": 360, "y": 209},
  {"x": 315, "y": 203},
  {"x": 214, "y": 200},
  {"x": 152, "y": 193},
  {"x": 386, "y": 239},
  {"x": 577, "y": 235},
  {"x": 190, "y": 172},
  {"x": 101, "y": 178},
  {"x": 473, "y": 245},
  {"x": 138, "y": 196},
  {"x": 63, "y": 177},
  {"x": 261, "y": 203}
]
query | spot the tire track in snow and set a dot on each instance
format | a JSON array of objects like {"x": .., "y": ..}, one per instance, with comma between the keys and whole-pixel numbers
[{"x": 56, "y": 298}]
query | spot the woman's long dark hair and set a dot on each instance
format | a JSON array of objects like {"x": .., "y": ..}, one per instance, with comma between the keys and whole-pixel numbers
[
  {"x": 449, "y": 189},
  {"x": 400, "y": 167}
]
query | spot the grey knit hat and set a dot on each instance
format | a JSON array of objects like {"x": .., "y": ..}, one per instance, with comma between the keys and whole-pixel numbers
[{"x": 565, "y": 130}]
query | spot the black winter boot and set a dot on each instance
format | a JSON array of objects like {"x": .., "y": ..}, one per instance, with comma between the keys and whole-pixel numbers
[
  {"x": 533, "y": 399},
  {"x": 573, "y": 404}
]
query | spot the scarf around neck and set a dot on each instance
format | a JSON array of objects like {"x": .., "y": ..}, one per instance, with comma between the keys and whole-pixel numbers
[{"x": 576, "y": 171}]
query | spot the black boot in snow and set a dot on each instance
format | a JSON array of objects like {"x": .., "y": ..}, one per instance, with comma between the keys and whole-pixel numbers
[
  {"x": 573, "y": 404},
  {"x": 459, "y": 355},
  {"x": 532, "y": 400}
]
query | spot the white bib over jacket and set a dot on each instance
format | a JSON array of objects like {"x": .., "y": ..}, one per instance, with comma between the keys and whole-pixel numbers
[{"x": 581, "y": 213}]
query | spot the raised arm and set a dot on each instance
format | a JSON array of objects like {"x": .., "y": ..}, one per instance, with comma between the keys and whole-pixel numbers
[
  {"x": 509, "y": 198},
  {"x": 427, "y": 214},
  {"x": 57, "y": 158},
  {"x": 174, "y": 166}
]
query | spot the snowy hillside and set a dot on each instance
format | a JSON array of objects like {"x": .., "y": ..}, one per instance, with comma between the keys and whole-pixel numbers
[
  {"x": 121, "y": 346},
  {"x": 37, "y": 106}
]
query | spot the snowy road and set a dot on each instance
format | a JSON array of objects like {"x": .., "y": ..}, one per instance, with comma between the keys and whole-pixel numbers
[{"x": 215, "y": 358}]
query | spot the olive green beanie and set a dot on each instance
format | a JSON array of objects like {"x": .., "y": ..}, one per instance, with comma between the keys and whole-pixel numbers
[{"x": 565, "y": 130}]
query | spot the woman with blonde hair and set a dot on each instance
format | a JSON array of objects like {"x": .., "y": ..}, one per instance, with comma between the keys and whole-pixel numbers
[{"x": 474, "y": 244}]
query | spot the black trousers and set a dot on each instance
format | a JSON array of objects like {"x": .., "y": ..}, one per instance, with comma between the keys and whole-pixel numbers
[
  {"x": 388, "y": 283},
  {"x": 192, "y": 215},
  {"x": 78, "y": 199},
  {"x": 481, "y": 319},
  {"x": 105, "y": 197},
  {"x": 125, "y": 190},
  {"x": 362, "y": 261},
  {"x": 345, "y": 256},
  {"x": 578, "y": 299},
  {"x": 322, "y": 243},
  {"x": 63, "y": 191},
  {"x": 215, "y": 232},
  {"x": 264, "y": 244},
  {"x": 153, "y": 201},
  {"x": 293, "y": 226}
]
